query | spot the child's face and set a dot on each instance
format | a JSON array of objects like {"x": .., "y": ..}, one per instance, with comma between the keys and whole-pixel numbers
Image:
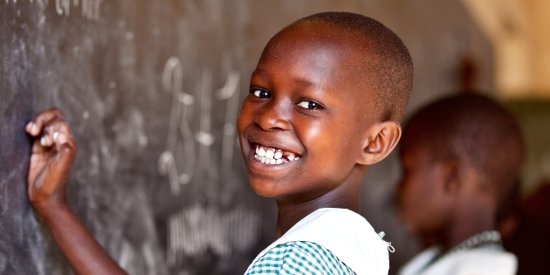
[
  {"x": 421, "y": 200},
  {"x": 298, "y": 126}
]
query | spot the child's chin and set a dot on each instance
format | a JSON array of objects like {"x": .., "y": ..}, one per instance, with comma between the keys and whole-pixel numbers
[{"x": 261, "y": 189}]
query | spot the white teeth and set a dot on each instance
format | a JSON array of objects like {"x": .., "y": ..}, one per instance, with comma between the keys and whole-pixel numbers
[
  {"x": 273, "y": 156},
  {"x": 260, "y": 151}
]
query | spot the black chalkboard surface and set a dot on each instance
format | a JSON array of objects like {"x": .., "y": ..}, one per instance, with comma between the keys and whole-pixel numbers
[{"x": 151, "y": 90}]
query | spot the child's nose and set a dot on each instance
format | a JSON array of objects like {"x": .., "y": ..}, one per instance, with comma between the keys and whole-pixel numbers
[{"x": 274, "y": 116}]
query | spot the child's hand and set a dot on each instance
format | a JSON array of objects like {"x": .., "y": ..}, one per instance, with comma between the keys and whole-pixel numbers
[{"x": 53, "y": 152}]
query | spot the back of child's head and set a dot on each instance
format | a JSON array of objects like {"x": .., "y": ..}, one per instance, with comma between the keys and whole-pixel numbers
[
  {"x": 385, "y": 67},
  {"x": 474, "y": 130}
]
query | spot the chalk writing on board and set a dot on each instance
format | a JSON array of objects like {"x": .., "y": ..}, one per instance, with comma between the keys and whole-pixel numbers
[
  {"x": 201, "y": 228},
  {"x": 172, "y": 80},
  {"x": 196, "y": 145},
  {"x": 198, "y": 229},
  {"x": 229, "y": 92},
  {"x": 89, "y": 9}
]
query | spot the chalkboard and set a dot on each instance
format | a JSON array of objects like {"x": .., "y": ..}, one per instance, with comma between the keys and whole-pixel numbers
[{"x": 151, "y": 90}]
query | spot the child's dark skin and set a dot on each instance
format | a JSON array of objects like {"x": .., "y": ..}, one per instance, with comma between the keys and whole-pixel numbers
[
  {"x": 460, "y": 156},
  {"x": 440, "y": 200},
  {"x": 303, "y": 103},
  {"x": 53, "y": 152}
]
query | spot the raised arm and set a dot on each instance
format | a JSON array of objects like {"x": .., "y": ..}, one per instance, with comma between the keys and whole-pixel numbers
[{"x": 53, "y": 153}]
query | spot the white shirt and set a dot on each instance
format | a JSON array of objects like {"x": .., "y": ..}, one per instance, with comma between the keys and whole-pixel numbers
[
  {"x": 485, "y": 260},
  {"x": 346, "y": 234}
]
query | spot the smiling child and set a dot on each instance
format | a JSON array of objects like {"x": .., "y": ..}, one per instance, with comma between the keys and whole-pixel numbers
[{"x": 324, "y": 103}]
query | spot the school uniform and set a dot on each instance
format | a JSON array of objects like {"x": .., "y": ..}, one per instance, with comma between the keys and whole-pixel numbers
[
  {"x": 327, "y": 241},
  {"x": 483, "y": 260}
]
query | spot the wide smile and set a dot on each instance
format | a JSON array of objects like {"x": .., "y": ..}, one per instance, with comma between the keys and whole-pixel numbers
[{"x": 274, "y": 156}]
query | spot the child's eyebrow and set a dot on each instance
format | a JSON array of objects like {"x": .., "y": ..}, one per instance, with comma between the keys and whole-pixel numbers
[
  {"x": 302, "y": 82},
  {"x": 306, "y": 83}
]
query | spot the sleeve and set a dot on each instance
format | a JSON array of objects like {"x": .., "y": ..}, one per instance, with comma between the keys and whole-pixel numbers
[{"x": 299, "y": 258}]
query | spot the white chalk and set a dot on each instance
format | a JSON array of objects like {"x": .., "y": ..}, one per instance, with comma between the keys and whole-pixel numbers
[{"x": 44, "y": 141}]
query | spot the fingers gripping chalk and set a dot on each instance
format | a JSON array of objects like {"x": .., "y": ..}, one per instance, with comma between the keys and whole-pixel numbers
[
  {"x": 60, "y": 137},
  {"x": 32, "y": 128},
  {"x": 56, "y": 137},
  {"x": 44, "y": 141}
]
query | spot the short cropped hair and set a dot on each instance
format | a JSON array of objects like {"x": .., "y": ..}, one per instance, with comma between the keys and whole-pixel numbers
[
  {"x": 388, "y": 64},
  {"x": 471, "y": 128}
]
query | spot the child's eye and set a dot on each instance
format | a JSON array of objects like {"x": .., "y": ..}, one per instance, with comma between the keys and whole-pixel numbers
[
  {"x": 310, "y": 105},
  {"x": 260, "y": 93}
]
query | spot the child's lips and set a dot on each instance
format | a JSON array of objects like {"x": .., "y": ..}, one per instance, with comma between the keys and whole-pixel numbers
[{"x": 268, "y": 150}]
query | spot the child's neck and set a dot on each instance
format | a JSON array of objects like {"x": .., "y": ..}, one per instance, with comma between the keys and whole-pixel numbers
[
  {"x": 289, "y": 214},
  {"x": 346, "y": 195},
  {"x": 469, "y": 224}
]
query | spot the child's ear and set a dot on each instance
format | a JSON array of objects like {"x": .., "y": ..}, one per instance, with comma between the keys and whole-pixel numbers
[
  {"x": 380, "y": 141},
  {"x": 451, "y": 177}
]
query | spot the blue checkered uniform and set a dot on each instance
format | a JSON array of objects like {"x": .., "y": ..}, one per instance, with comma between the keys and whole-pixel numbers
[{"x": 299, "y": 258}]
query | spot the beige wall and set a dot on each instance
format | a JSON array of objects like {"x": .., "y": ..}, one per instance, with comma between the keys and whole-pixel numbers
[{"x": 518, "y": 31}]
